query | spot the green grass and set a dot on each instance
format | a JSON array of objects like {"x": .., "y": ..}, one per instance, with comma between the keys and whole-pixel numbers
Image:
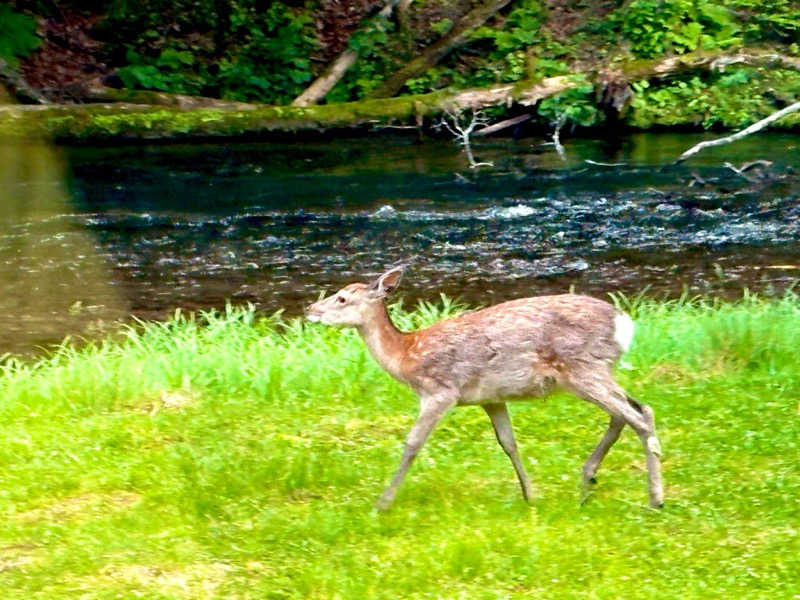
[{"x": 229, "y": 456}]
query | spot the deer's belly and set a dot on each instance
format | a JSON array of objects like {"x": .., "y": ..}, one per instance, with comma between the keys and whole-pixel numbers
[{"x": 505, "y": 386}]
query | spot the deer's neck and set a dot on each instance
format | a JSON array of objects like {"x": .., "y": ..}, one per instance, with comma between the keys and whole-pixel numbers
[{"x": 386, "y": 343}]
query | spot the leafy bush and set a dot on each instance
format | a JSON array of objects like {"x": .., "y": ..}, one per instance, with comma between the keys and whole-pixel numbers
[
  {"x": 575, "y": 106},
  {"x": 654, "y": 27},
  {"x": 768, "y": 20},
  {"x": 372, "y": 42},
  {"x": 273, "y": 63},
  {"x": 507, "y": 57},
  {"x": 267, "y": 59},
  {"x": 735, "y": 98},
  {"x": 505, "y": 53},
  {"x": 170, "y": 71},
  {"x": 17, "y": 35}
]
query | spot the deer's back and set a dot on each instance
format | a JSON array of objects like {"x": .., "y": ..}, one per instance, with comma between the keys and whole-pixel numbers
[{"x": 519, "y": 348}]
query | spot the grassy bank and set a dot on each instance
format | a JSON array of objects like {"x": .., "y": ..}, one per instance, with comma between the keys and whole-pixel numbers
[{"x": 227, "y": 456}]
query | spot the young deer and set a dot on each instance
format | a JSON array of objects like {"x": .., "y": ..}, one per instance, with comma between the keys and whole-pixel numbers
[{"x": 511, "y": 351}]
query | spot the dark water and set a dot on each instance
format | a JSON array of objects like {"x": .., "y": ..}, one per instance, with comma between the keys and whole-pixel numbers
[{"x": 91, "y": 235}]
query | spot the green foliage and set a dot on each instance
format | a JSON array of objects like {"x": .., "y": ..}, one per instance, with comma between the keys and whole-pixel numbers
[
  {"x": 17, "y": 35},
  {"x": 653, "y": 27},
  {"x": 768, "y": 20},
  {"x": 145, "y": 22},
  {"x": 266, "y": 59},
  {"x": 226, "y": 455},
  {"x": 575, "y": 106},
  {"x": 442, "y": 27},
  {"x": 506, "y": 52},
  {"x": 508, "y": 45},
  {"x": 273, "y": 64},
  {"x": 733, "y": 99},
  {"x": 372, "y": 42},
  {"x": 171, "y": 71}
]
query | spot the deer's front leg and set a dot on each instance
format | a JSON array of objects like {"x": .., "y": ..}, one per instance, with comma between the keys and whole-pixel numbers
[
  {"x": 501, "y": 422},
  {"x": 431, "y": 411}
]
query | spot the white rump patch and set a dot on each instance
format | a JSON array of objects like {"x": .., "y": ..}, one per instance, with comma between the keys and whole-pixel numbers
[{"x": 623, "y": 331}]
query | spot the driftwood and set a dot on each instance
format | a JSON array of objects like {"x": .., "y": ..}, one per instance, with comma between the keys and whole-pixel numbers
[
  {"x": 739, "y": 134},
  {"x": 439, "y": 49}
]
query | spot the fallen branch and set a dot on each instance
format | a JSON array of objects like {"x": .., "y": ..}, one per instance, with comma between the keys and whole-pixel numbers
[
  {"x": 501, "y": 125},
  {"x": 329, "y": 78},
  {"x": 740, "y": 134},
  {"x": 17, "y": 86},
  {"x": 121, "y": 121},
  {"x": 755, "y": 163},
  {"x": 740, "y": 172}
]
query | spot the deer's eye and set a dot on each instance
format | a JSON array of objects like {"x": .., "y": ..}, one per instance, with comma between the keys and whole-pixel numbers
[{"x": 340, "y": 300}]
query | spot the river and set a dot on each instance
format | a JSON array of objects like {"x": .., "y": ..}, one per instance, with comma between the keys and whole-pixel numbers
[{"x": 89, "y": 236}]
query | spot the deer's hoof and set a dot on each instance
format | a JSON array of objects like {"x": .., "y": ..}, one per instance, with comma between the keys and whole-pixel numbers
[{"x": 384, "y": 503}]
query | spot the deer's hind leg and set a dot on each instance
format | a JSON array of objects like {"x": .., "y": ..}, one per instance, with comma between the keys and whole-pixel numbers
[
  {"x": 593, "y": 462},
  {"x": 599, "y": 387},
  {"x": 504, "y": 432}
]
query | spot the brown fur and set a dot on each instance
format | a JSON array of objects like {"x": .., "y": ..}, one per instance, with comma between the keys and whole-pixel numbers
[{"x": 511, "y": 351}]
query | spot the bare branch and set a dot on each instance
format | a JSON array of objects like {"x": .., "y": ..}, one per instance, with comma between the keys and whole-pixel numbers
[
  {"x": 740, "y": 134},
  {"x": 562, "y": 118},
  {"x": 502, "y": 125},
  {"x": 461, "y": 130}
]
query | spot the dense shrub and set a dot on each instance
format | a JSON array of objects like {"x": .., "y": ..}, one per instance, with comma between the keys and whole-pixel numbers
[
  {"x": 243, "y": 51},
  {"x": 735, "y": 98},
  {"x": 17, "y": 35}
]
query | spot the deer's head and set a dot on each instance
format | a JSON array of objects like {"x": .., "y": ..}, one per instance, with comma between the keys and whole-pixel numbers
[{"x": 354, "y": 304}]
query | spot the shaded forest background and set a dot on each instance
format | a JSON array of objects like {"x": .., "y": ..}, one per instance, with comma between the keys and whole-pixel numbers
[{"x": 269, "y": 52}]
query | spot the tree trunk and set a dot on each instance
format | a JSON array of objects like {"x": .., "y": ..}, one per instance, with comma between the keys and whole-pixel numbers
[
  {"x": 438, "y": 50},
  {"x": 124, "y": 121}
]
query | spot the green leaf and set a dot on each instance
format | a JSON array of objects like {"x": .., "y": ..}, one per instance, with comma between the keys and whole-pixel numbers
[{"x": 17, "y": 35}]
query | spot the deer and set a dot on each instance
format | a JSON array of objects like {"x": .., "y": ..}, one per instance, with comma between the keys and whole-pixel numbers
[{"x": 516, "y": 350}]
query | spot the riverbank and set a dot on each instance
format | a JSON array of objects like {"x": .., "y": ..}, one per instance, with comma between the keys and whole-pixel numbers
[
  {"x": 228, "y": 455},
  {"x": 174, "y": 71},
  {"x": 702, "y": 100}
]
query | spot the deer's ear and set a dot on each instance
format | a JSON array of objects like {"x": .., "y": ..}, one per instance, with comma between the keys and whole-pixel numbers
[{"x": 386, "y": 283}]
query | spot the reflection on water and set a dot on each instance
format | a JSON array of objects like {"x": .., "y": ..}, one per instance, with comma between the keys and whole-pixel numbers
[
  {"x": 149, "y": 228},
  {"x": 53, "y": 279}
]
